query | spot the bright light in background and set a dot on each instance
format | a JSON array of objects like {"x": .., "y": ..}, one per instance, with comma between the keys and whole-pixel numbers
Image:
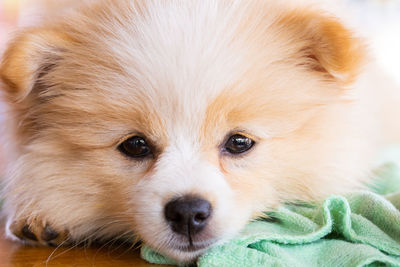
[
  {"x": 9, "y": 13},
  {"x": 379, "y": 21},
  {"x": 9, "y": 10},
  {"x": 386, "y": 46}
]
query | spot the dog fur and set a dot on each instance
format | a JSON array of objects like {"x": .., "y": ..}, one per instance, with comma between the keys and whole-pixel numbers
[{"x": 185, "y": 75}]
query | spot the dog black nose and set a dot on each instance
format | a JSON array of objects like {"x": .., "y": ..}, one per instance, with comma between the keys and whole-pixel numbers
[{"x": 187, "y": 215}]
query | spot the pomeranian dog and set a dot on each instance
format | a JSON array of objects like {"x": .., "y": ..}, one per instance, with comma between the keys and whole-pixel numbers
[{"x": 180, "y": 121}]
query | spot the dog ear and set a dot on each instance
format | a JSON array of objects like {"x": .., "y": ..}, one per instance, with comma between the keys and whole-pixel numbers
[
  {"x": 325, "y": 45},
  {"x": 30, "y": 56}
]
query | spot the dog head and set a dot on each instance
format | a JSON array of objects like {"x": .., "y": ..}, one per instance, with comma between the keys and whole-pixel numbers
[{"x": 181, "y": 121}]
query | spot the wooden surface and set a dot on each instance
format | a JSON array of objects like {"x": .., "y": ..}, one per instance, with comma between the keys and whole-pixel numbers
[{"x": 13, "y": 254}]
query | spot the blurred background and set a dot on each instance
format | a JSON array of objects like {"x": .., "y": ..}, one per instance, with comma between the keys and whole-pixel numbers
[{"x": 379, "y": 22}]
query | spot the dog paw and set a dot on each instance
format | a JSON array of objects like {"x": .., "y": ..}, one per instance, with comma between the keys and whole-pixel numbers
[{"x": 37, "y": 232}]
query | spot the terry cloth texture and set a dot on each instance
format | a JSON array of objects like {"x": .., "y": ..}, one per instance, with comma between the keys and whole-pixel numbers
[{"x": 360, "y": 229}]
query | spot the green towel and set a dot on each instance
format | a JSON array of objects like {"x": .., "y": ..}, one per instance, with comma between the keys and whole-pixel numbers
[{"x": 361, "y": 229}]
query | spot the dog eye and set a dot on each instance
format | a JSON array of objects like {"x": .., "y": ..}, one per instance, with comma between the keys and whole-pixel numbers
[
  {"x": 135, "y": 147},
  {"x": 238, "y": 143}
]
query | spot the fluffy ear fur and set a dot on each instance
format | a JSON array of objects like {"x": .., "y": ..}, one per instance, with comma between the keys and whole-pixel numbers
[
  {"x": 31, "y": 55},
  {"x": 325, "y": 44}
]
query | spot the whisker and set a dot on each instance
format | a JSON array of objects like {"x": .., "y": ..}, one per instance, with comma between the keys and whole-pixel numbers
[
  {"x": 78, "y": 243},
  {"x": 55, "y": 249},
  {"x": 112, "y": 241},
  {"x": 132, "y": 245}
]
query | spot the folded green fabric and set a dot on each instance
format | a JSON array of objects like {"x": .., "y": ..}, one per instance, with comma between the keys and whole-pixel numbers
[{"x": 361, "y": 229}]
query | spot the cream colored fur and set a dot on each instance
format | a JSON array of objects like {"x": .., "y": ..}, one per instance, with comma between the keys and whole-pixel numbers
[{"x": 185, "y": 74}]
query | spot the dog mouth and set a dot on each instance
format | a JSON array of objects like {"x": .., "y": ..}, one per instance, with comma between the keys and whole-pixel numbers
[{"x": 193, "y": 246}]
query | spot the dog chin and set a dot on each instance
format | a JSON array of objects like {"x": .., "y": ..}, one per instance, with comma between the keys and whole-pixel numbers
[{"x": 185, "y": 254}]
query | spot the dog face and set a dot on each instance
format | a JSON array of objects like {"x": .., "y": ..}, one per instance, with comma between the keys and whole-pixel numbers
[{"x": 178, "y": 121}]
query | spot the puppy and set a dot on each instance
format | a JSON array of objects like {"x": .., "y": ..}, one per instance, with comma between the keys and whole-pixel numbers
[{"x": 180, "y": 121}]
